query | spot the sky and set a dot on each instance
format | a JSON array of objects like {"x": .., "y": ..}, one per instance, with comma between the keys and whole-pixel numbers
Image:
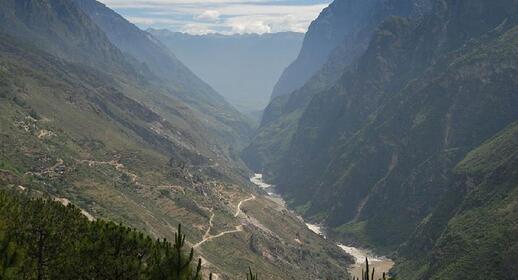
[{"x": 220, "y": 16}]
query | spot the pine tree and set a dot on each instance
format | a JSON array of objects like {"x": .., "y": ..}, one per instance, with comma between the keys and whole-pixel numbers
[
  {"x": 250, "y": 275},
  {"x": 368, "y": 274},
  {"x": 9, "y": 257},
  {"x": 51, "y": 241}
]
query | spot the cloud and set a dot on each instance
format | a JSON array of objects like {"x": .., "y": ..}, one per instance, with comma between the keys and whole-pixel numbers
[
  {"x": 152, "y": 21},
  {"x": 249, "y": 26},
  {"x": 209, "y": 15},
  {"x": 221, "y": 16}
]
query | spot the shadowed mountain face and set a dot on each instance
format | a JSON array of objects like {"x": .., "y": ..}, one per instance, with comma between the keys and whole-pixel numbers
[
  {"x": 59, "y": 28},
  {"x": 396, "y": 141},
  {"x": 252, "y": 63},
  {"x": 345, "y": 24},
  {"x": 353, "y": 22},
  {"x": 471, "y": 233}
]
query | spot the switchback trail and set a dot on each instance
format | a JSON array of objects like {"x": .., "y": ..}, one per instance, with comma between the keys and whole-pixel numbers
[
  {"x": 238, "y": 210},
  {"x": 238, "y": 228}
]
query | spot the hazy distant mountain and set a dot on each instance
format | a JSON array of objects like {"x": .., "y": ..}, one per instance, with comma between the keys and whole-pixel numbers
[{"x": 243, "y": 68}]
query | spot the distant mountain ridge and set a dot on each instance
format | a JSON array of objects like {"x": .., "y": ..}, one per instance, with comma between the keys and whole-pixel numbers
[
  {"x": 141, "y": 45},
  {"x": 252, "y": 62}
]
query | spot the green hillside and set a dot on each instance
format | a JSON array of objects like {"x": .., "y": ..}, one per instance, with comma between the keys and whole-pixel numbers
[{"x": 101, "y": 131}]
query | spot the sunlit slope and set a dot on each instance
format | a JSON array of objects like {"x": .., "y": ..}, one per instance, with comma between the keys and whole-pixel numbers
[{"x": 121, "y": 147}]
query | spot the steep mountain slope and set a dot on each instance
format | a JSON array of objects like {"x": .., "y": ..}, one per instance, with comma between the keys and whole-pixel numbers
[
  {"x": 146, "y": 49},
  {"x": 61, "y": 29},
  {"x": 281, "y": 116},
  {"x": 58, "y": 27},
  {"x": 253, "y": 62},
  {"x": 373, "y": 156},
  {"x": 346, "y": 25},
  {"x": 120, "y": 147},
  {"x": 473, "y": 233},
  {"x": 173, "y": 74}
]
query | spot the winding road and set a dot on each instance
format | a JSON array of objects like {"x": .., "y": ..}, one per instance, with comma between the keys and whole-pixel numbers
[
  {"x": 238, "y": 210},
  {"x": 207, "y": 236},
  {"x": 239, "y": 228}
]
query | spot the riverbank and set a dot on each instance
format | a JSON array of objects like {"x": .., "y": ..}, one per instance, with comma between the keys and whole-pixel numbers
[{"x": 379, "y": 263}]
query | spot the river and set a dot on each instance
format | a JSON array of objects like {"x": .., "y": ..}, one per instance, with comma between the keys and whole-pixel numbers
[{"x": 380, "y": 263}]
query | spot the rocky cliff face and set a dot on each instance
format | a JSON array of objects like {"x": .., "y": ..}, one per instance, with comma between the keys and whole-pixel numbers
[
  {"x": 471, "y": 233},
  {"x": 357, "y": 135}
]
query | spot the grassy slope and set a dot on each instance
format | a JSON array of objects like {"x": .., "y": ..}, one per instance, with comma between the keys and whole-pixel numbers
[{"x": 65, "y": 130}]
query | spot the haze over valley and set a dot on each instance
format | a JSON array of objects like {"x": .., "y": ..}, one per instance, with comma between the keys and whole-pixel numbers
[{"x": 244, "y": 68}]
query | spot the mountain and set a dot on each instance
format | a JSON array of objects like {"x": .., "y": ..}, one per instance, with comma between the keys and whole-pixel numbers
[
  {"x": 84, "y": 121},
  {"x": 183, "y": 84},
  {"x": 354, "y": 32},
  {"x": 344, "y": 24},
  {"x": 472, "y": 234},
  {"x": 62, "y": 30},
  {"x": 399, "y": 153},
  {"x": 253, "y": 62}
]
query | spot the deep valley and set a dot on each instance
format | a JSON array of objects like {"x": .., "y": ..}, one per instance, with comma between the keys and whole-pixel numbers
[{"x": 387, "y": 147}]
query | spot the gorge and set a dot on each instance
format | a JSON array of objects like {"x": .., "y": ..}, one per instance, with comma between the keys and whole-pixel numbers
[{"x": 390, "y": 136}]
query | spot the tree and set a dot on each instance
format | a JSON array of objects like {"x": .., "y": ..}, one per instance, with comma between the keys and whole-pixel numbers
[
  {"x": 9, "y": 257},
  {"x": 172, "y": 262},
  {"x": 250, "y": 275},
  {"x": 368, "y": 274}
]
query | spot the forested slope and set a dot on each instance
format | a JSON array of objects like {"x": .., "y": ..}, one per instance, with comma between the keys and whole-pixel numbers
[{"x": 42, "y": 239}]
